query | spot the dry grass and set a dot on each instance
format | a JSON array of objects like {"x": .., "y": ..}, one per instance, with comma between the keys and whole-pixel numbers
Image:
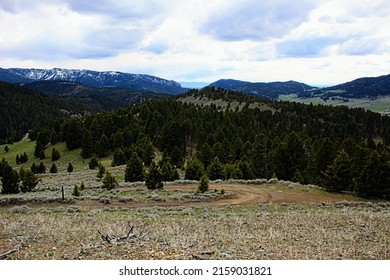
[{"x": 358, "y": 231}]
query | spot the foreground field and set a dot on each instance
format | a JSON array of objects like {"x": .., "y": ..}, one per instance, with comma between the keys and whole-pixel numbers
[
  {"x": 269, "y": 220},
  {"x": 341, "y": 231}
]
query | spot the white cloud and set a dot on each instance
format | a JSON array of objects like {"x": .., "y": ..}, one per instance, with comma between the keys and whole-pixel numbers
[{"x": 319, "y": 41}]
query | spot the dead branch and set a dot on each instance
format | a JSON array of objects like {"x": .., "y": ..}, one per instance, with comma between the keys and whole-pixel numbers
[
  {"x": 117, "y": 239},
  {"x": 5, "y": 254}
]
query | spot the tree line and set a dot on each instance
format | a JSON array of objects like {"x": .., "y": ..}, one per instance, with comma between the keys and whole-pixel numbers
[{"x": 342, "y": 149}]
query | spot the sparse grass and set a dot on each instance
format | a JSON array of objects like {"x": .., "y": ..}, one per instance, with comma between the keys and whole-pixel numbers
[{"x": 250, "y": 232}]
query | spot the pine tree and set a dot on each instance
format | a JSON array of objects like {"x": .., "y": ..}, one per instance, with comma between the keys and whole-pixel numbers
[
  {"x": 3, "y": 164},
  {"x": 34, "y": 168},
  {"x": 73, "y": 134},
  {"x": 206, "y": 155},
  {"x": 38, "y": 149},
  {"x": 102, "y": 146},
  {"x": 53, "y": 168},
  {"x": 23, "y": 158},
  {"x": 375, "y": 179},
  {"x": 169, "y": 173},
  {"x": 87, "y": 144},
  {"x": 6, "y": 149},
  {"x": 17, "y": 160},
  {"x": 203, "y": 185},
  {"x": 290, "y": 157},
  {"x": 153, "y": 179},
  {"x": 119, "y": 157},
  {"x": 28, "y": 179},
  {"x": 109, "y": 181},
  {"x": 41, "y": 168},
  {"x": 134, "y": 169},
  {"x": 93, "y": 163},
  {"x": 338, "y": 176},
  {"x": 194, "y": 170},
  {"x": 246, "y": 169},
  {"x": 76, "y": 191},
  {"x": 55, "y": 155},
  {"x": 259, "y": 157},
  {"x": 10, "y": 180},
  {"x": 101, "y": 171},
  {"x": 215, "y": 170},
  {"x": 70, "y": 167}
]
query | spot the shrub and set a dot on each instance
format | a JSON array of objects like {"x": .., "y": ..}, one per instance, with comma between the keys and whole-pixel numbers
[
  {"x": 109, "y": 181},
  {"x": 203, "y": 185}
]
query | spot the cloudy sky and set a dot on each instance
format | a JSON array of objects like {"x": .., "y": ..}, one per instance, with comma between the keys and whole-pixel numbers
[{"x": 319, "y": 42}]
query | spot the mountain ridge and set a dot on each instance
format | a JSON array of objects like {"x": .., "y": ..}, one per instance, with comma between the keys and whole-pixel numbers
[
  {"x": 92, "y": 78},
  {"x": 268, "y": 90}
]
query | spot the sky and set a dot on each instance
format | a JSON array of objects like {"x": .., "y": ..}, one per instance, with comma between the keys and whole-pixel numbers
[{"x": 318, "y": 42}]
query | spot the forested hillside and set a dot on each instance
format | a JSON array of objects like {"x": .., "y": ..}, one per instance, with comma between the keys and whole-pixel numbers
[
  {"x": 339, "y": 148},
  {"x": 22, "y": 109},
  {"x": 103, "y": 98}
]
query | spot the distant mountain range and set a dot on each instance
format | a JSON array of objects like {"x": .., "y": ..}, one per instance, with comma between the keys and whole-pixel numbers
[
  {"x": 92, "y": 79},
  {"x": 125, "y": 89},
  {"x": 360, "y": 88},
  {"x": 267, "y": 90}
]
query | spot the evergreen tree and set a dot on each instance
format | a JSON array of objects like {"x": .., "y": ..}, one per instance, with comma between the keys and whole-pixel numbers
[
  {"x": 325, "y": 155},
  {"x": 102, "y": 146},
  {"x": 134, "y": 169},
  {"x": 246, "y": 169},
  {"x": 153, "y": 179},
  {"x": 109, "y": 181},
  {"x": 6, "y": 149},
  {"x": 10, "y": 180},
  {"x": 55, "y": 155},
  {"x": 203, "y": 185},
  {"x": 34, "y": 168},
  {"x": 117, "y": 139},
  {"x": 194, "y": 170},
  {"x": 101, "y": 171},
  {"x": 215, "y": 170},
  {"x": 119, "y": 157},
  {"x": 87, "y": 144},
  {"x": 290, "y": 157},
  {"x": 17, "y": 160},
  {"x": 206, "y": 154},
  {"x": 53, "y": 168},
  {"x": 23, "y": 158},
  {"x": 76, "y": 191},
  {"x": 41, "y": 168},
  {"x": 3, "y": 164},
  {"x": 338, "y": 176},
  {"x": 93, "y": 163},
  {"x": 176, "y": 156},
  {"x": 169, "y": 173},
  {"x": 70, "y": 167},
  {"x": 375, "y": 179},
  {"x": 28, "y": 179},
  {"x": 38, "y": 149},
  {"x": 259, "y": 157},
  {"x": 73, "y": 134}
]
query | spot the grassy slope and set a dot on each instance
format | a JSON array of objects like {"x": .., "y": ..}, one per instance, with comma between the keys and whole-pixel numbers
[{"x": 67, "y": 156}]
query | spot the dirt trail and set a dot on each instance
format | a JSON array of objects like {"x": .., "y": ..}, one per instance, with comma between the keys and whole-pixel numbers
[{"x": 239, "y": 194}]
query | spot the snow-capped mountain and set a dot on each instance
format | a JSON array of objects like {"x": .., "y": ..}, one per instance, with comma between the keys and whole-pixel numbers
[{"x": 92, "y": 78}]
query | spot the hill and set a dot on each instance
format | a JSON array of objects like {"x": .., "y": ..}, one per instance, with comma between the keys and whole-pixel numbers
[
  {"x": 22, "y": 109},
  {"x": 106, "y": 98},
  {"x": 92, "y": 79},
  {"x": 372, "y": 87},
  {"x": 268, "y": 90},
  {"x": 232, "y": 135}
]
